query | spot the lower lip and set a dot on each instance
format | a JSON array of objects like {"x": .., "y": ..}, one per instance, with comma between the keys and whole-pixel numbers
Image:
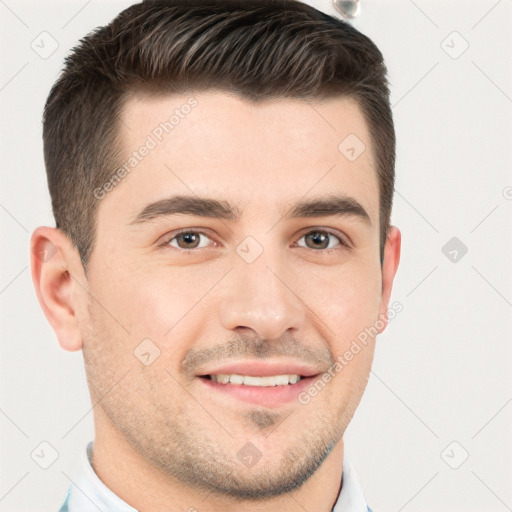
[{"x": 268, "y": 396}]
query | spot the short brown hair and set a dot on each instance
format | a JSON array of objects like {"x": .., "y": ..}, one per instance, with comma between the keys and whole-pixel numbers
[{"x": 258, "y": 49}]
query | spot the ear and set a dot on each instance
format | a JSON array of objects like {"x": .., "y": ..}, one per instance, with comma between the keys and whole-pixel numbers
[
  {"x": 55, "y": 264},
  {"x": 389, "y": 268}
]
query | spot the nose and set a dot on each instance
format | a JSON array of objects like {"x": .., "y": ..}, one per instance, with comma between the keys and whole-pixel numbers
[{"x": 261, "y": 296}]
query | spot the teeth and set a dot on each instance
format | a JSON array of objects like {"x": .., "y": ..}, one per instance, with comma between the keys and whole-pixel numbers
[
  {"x": 249, "y": 380},
  {"x": 294, "y": 379},
  {"x": 236, "y": 379}
]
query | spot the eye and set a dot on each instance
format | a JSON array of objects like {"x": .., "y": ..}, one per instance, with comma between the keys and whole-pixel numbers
[
  {"x": 188, "y": 240},
  {"x": 322, "y": 240},
  {"x": 318, "y": 239}
]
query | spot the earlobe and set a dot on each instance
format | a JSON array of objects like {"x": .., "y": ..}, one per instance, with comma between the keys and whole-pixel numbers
[
  {"x": 51, "y": 261},
  {"x": 389, "y": 269}
]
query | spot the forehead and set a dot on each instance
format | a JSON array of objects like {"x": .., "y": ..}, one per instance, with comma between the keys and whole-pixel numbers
[{"x": 217, "y": 144}]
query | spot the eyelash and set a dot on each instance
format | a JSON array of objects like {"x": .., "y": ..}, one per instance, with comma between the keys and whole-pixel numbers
[{"x": 343, "y": 245}]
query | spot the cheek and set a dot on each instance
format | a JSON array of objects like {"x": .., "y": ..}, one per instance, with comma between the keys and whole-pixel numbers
[
  {"x": 160, "y": 301},
  {"x": 347, "y": 299}
]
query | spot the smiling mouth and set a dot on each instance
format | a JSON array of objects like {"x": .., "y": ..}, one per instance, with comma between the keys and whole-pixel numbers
[
  {"x": 281, "y": 389},
  {"x": 251, "y": 380}
]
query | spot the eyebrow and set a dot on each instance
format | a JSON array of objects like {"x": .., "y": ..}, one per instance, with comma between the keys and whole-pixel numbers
[{"x": 332, "y": 205}]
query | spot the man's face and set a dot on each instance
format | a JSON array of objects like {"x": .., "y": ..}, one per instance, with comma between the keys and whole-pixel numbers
[{"x": 259, "y": 292}]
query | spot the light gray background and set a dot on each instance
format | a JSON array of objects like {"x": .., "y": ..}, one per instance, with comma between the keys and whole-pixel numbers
[{"x": 440, "y": 388}]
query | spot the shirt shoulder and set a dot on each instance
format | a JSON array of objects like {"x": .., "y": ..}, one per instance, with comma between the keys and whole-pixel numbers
[
  {"x": 351, "y": 497},
  {"x": 65, "y": 505},
  {"x": 88, "y": 493}
]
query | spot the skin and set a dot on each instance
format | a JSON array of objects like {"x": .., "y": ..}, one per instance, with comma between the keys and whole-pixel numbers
[{"x": 162, "y": 440}]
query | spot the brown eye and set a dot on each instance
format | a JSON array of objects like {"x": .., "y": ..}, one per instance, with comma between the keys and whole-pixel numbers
[
  {"x": 317, "y": 240},
  {"x": 320, "y": 240},
  {"x": 189, "y": 240}
]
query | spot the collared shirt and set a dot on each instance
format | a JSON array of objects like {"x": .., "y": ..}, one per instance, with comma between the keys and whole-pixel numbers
[{"x": 88, "y": 493}]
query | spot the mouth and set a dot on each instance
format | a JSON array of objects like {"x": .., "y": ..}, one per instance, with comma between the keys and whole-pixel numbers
[
  {"x": 252, "y": 380},
  {"x": 256, "y": 383}
]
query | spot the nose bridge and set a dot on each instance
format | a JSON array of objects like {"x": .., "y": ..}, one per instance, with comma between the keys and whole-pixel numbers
[{"x": 258, "y": 296}]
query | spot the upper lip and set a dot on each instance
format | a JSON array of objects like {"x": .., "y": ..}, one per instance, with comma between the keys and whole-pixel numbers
[{"x": 259, "y": 368}]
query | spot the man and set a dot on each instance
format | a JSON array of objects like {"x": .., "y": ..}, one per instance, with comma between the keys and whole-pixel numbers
[{"x": 221, "y": 174}]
